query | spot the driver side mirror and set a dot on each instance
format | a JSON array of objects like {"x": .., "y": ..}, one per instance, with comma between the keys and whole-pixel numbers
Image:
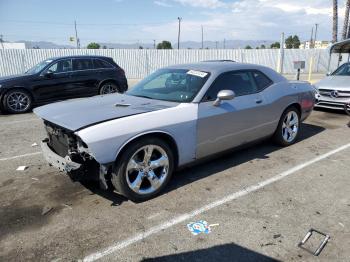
[
  {"x": 224, "y": 95},
  {"x": 48, "y": 74}
]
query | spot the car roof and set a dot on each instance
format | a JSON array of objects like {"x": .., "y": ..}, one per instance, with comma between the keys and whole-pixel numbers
[
  {"x": 222, "y": 66},
  {"x": 79, "y": 56},
  {"x": 215, "y": 66}
]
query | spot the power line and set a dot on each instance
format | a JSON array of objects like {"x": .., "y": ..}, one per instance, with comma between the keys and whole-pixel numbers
[{"x": 83, "y": 24}]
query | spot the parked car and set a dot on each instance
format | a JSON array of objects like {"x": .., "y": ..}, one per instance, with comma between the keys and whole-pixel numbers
[
  {"x": 61, "y": 78},
  {"x": 334, "y": 89},
  {"x": 175, "y": 116}
]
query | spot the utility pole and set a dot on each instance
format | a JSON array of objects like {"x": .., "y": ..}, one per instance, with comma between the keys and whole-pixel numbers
[
  {"x": 178, "y": 34},
  {"x": 224, "y": 43},
  {"x": 154, "y": 44},
  {"x": 202, "y": 37},
  {"x": 316, "y": 27},
  {"x": 312, "y": 34},
  {"x": 76, "y": 35},
  {"x": 216, "y": 44},
  {"x": 2, "y": 41},
  {"x": 281, "y": 55}
]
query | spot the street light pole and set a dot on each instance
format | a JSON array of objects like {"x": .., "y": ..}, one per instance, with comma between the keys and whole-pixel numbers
[
  {"x": 202, "y": 37},
  {"x": 179, "y": 31}
]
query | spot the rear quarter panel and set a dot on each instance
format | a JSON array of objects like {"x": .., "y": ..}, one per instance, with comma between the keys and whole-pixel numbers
[{"x": 281, "y": 95}]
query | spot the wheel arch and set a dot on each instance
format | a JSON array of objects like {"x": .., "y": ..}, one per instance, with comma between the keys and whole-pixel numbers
[
  {"x": 168, "y": 138},
  {"x": 296, "y": 105}
]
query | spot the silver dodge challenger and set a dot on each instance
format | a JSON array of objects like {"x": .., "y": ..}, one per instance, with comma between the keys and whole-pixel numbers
[
  {"x": 334, "y": 90},
  {"x": 133, "y": 142}
]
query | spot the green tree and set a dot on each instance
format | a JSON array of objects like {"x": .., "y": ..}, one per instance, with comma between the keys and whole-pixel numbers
[
  {"x": 292, "y": 42},
  {"x": 275, "y": 45},
  {"x": 248, "y": 47},
  {"x": 104, "y": 47},
  {"x": 164, "y": 45},
  {"x": 262, "y": 47},
  {"x": 93, "y": 45}
]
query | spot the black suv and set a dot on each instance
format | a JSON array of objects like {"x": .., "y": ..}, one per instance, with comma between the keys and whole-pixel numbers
[{"x": 61, "y": 78}]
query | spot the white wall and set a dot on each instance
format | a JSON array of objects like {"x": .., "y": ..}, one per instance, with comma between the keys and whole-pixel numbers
[{"x": 138, "y": 63}]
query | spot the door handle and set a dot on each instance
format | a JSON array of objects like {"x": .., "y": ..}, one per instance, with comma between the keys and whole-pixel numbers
[{"x": 258, "y": 101}]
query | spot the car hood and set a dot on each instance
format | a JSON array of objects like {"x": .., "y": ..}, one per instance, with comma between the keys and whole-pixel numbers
[
  {"x": 77, "y": 114},
  {"x": 10, "y": 78},
  {"x": 340, "y": 83}
]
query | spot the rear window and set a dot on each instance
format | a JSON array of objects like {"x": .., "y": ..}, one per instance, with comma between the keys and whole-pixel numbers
[
  {"x": 82, "y": 64},
  {"x": 262, "y": 81},
  {"x": 99, "y": 63}
]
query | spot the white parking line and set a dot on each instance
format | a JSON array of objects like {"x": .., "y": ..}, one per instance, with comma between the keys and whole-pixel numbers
[
  {"x": 19, "y": 121},
  {"x": 179, "y": 219},
  {"x": 19, "y": 156}
]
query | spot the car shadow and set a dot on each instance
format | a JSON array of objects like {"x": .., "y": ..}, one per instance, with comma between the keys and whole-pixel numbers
[
  {"x": 227, "y": 252},
  {"x": 221, "y": 162},
  {"x": 201, "y": 170}
]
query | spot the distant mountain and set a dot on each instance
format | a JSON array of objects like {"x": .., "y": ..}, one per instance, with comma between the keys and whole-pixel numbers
[
  {"x": 229, "y": 44},
  {"x": 44, "y": 45}
]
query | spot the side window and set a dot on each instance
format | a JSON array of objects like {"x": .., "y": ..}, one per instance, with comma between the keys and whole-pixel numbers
[
  {"x": 82, "y": 64},
  {"x": 99, "y": 63},
  {"x": 262, "y": 81},
  {"x": 240, "y": 82},
  {"x": 61, "y": 66}
]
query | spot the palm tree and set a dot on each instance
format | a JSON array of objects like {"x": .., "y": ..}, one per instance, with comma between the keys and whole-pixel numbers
[
  {"x": 335, "y": 21},
  {"x": 346, "y": 20}
]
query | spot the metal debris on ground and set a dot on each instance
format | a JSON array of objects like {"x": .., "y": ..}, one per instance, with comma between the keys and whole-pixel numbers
[
  {"x": 199, "y": 227},
  {"x": 34, "y": 178},
  {"x": 34, "y": 144},
  {"x": 320, "y": 247},
  {"x": 21, "y": 168},
  {"x": 46, "y": 210}
]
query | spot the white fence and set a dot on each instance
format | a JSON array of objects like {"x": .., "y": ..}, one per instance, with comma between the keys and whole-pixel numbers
[{"x": 138, "y": 63}]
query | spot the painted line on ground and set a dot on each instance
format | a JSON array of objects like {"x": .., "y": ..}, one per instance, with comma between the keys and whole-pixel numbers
[
  {"x": 19, "y": 121},
  {"x": 19, "y": 156},
  {"x": 179, "y": 219}
]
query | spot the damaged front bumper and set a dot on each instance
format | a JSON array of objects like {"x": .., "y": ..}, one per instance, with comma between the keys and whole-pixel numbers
[{"x": 62, "y": 163}]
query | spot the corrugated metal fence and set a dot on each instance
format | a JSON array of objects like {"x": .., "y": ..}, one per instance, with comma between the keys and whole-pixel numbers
[{"x": 138, "y": 63}]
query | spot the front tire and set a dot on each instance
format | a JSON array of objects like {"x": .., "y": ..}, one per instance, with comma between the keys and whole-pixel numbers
[
  {"x": 17, "y": 101},
  {"x": 288, "y": 128},
  {"x": 144, "y": 169},
  {"x": 109, "y": 88}
]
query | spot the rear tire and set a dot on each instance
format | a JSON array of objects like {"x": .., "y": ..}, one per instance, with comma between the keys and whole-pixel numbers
[
  {"x": 17, "y": 101},
  {"x": 109, "y": 88},
  {"x": 288, "y": 128},
  {"x": 139, "y": 175}
]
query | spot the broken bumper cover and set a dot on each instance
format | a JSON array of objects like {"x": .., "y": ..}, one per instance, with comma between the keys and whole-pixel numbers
[{"x": 62, "y": 163}]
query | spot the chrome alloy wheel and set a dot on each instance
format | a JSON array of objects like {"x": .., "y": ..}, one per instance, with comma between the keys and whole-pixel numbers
[
  {"x": 147, "y": 169},
  {"x": 18, "y": 101},
  {"x": 290, "y": 126},
  {"x": 108, "y": 89}
]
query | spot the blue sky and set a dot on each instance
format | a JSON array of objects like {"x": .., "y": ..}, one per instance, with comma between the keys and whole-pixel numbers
[{"x": 130, "y": 21}]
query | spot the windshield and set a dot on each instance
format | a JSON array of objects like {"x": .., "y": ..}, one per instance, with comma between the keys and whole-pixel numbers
[
  {"x": 37, "y": 68},
  {"x": 177, "y": 85},
  {"x": 343, "y": 70}
]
